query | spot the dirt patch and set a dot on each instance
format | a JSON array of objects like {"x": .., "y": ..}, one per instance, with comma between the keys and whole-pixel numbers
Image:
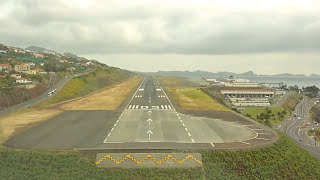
[
  {"x": 107, "y": 99},
  {"x": 17, "y": 121}
]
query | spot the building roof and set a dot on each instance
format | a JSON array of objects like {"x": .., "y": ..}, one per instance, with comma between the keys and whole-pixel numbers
[
  {"x": 5, "y": 65},
  {"x": 3, "y": 76}
]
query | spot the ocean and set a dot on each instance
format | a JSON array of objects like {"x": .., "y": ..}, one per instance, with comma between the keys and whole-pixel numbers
[{"x": 288, "y": 80}]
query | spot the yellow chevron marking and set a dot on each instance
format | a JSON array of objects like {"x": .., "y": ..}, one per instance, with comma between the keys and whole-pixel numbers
[{"x": 128, "y": 156}]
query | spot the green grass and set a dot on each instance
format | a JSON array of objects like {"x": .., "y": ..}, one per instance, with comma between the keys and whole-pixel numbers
[
  {"x": 191, "y": 98},
  {"x": 284, "y": 160},
  {"x": 84, "y": 85},
  {"x": 253, "y": 112},
  {"x": 288, "y": 105}
]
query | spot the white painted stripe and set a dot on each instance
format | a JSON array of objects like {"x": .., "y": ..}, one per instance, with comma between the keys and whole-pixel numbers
[
  {"x": 177, "y": 114},
  {"x": 263, "y": 139},
  {"x": 108, "y": 134},
  {"x": 161, "y": 106},
  {"x": 181, "y": 120},
  {"x": 244, "y": 142},
  {"x": 189, "y": 134},
  {"x": 115, "y": 125},
  {"x": 183, "y": 124},
  {"x": 179, "y": 117},
  {"x": 165, "y": 106},
  {"x": 130, "y": 106},
  {"x": 133, "y": 106},
  {"x": 212, "y": 144},
  {"x": 192, "y": 140},
  {"x": 186, "y": 129},
  {"x": 112, "y": 129},
  {"x": 169, "y": 107},
  {"x": 137, "y": 106}
]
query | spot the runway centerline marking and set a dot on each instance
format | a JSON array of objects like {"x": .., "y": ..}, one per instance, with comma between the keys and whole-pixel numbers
[
  {"x": 192, "y": 140},
  {"x": 189, "y": 134}
]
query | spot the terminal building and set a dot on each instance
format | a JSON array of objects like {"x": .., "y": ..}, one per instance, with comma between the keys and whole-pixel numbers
[{"x": 249, "y": 97}]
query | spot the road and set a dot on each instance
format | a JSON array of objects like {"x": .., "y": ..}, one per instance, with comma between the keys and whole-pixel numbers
[
  {"x": 42, "y": 97},
  {"x": 292, "y": 128},
  {"x": 146, "y": 120}
]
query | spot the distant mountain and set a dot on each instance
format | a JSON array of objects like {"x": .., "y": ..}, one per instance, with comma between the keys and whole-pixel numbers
[
  {"x": 199, "y": 74},
  {"x": 39, "y": 49},
  {"x": 75, "y": 56}
]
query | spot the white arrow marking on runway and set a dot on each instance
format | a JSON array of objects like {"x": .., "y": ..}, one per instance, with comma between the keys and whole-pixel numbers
[
  {"x": 149, "y": 132},
  {"x": 150, "y": 112},
  {"x": 149, "y": 120}
]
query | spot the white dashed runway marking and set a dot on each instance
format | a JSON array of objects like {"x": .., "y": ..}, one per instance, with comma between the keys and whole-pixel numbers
[{"x": 149, "y": 107}]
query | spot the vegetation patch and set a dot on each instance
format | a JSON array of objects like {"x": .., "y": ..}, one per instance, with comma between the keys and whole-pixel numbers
[
  {"x": 107, "y": 99},
  {"x": 268, "y": 116},
  {"x": 283, "y": 160},
  {"x": 274, "y": 115},
  {"x": 86, "y": 84},
  {"x": 172, "y": 81},
  {"x": 191, "y": 98}
]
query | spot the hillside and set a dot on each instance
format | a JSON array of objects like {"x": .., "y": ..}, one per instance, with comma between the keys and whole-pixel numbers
[{"x": 86, "y": 84}]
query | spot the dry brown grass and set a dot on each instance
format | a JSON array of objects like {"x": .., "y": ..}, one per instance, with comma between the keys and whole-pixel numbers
[
  {"x": 107, "y": 99},
  {"x": 22, "y": 119}
]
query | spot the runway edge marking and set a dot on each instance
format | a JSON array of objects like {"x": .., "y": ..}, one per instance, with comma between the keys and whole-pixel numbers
[{"x": 105, "y": 140}]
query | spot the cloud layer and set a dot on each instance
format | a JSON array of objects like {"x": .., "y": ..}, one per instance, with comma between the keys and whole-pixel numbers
[{"x": 162, "y": 27}]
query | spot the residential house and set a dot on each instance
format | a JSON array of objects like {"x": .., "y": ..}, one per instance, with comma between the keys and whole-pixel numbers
[
  {"x": 71, "y": 69},
  {"x": 17, "y": 76},
  {"x": 36, "y": 55},
  {"x": 41, "y": 63},
  {"x": 23, "y": 81},
  {"x": 5, "y": 66},
  {"x": 3, "y": 76},
  {"x": 31, "y": 64},
  {"x": 38, "y": 70},
  {"x": 3, "y": 51},
  {"x": 22, "y": 67},
  {"x": 30, "y": 72}
]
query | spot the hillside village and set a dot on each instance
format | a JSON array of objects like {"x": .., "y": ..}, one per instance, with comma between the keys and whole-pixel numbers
[
  {"x": 24, "y": 66},
  {"x": 28, "y": 73}
]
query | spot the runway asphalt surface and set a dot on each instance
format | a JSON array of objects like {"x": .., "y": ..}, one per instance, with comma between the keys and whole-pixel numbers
[{"x": 146, "y": 120}]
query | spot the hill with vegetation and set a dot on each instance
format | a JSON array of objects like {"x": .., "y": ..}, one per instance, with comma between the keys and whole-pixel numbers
[{"x": 86, "y": 84}]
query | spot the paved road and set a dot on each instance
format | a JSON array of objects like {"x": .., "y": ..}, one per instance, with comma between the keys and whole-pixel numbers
[
  {"x": 42, "y": 97},
  {"x": 292, "y": 128},
  {"x": 146, "y": 120}
]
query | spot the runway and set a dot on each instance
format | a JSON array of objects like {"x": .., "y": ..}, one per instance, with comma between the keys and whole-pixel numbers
[{"x": 147, "y": 119}]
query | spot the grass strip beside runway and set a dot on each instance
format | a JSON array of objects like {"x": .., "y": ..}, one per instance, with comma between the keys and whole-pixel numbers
[{"x": 192, "y": 98}]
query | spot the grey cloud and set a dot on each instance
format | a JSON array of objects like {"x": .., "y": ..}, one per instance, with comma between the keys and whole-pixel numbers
[{"x": 157, "y": 28}]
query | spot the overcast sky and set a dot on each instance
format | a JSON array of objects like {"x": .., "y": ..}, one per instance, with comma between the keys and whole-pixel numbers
[{"x": 266, "y": 36}]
